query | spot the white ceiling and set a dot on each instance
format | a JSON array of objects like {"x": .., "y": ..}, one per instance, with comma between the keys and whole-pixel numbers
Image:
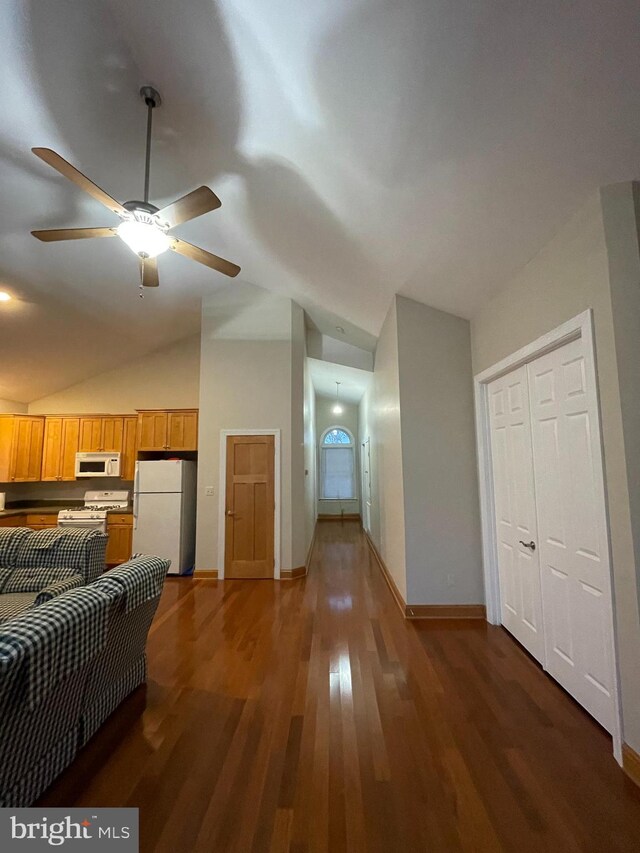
[
  {"x": 427, "y": 147},
  {"x": 353, "y": 381}
]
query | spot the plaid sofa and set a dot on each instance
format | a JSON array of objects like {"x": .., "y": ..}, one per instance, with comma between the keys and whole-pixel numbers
[
  {"x": 65, "y": 666},
  {"x": 134, "y": 591},
  {"x": 37, "y": 565}
]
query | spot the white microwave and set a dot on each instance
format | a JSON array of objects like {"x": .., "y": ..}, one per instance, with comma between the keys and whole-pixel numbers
[{"x": 97, "y": 465}]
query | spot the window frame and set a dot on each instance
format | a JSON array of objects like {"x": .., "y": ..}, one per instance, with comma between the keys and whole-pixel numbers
[{"x": 327, "y": 448}]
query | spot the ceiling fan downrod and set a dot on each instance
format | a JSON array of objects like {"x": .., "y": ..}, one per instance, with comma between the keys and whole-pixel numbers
[{"x": 152, "y": 99}]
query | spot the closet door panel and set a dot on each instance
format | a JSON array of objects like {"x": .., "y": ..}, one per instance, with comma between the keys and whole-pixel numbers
[
  {"x": 521, "y": 610},
  {"x": 574, "y": 561}
]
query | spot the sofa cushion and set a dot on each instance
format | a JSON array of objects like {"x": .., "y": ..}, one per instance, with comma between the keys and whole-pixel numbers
[
  {"x": 59, "y": 587},
  {"x": 140, "y": 579},
  {"x": 11, "y": 538},
  {"x": 5, "y": 574},
  {"x": 14, "y": 603},
  {"x": 69, "y": 548},
  {"x": 52, "y": 641},
  {"x": 33, "y": 580}
]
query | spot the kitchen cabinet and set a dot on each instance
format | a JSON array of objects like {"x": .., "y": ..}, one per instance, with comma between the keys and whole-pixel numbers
[
  {"x": 152, "y": 430},
  {"x": 128, "y": 458},
  {"x": 168, "y": 429},
  {"x": 61, "y": 442},
  {"x": 182, "y": 430},
  {"x": 21, "y": 443},
  {"x": 112, "y": 434},
  {"x": 13, "y": 521},
  {"x": 90, "y": 435},
  {"x": 101, "y": 434},
  {"x": 120, "y": 531},
  {"x": 41, "y": 521}
]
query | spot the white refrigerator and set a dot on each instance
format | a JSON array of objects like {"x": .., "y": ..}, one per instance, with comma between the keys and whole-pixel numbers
[{"x": 164, "y": 511}]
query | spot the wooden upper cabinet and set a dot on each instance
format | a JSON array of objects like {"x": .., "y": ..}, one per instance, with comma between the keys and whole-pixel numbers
[
  {"x": 52, "y": 449},
  {"x": 168, "y": 429},
  {"x": 101, "y": 434},
  {"x": 21, "y": 442},
  {"x": 128, "y": 458},
  {"x": 152, "y": 430},
  {"x": 182, "y": 430},
  {"x": 61, "y": 441},
  {"x": 90, "y": 435},
  {"x": 112, "y": 434}
]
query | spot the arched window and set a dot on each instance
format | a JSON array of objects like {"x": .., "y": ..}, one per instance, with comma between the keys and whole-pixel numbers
[{"x": 337, "y": 465}]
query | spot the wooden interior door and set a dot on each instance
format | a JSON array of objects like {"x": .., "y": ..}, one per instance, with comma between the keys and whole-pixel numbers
[{"x": 250, "y": 506}]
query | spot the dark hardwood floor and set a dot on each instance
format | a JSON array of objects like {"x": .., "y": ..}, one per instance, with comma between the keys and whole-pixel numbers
[{"x": 309, "y": 716}]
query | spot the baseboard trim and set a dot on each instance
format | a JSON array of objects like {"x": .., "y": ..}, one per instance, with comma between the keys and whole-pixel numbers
[
  {"x": 312, "y": 545},
  {"x": 631, "y": 763},
  {"x": 351, "y": 516},
  {"x": 446, "y": 611},
  {"x": 292, "y": 574},
  {"x": 206, "y": 574},
  {"x": 425, "y": 611},
  {"x": 386, "y": 574}
]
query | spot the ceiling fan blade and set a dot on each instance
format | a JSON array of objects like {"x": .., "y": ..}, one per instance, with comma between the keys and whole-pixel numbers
[
  {"x": 60, "y": 165},
  {"x": 189, "y": 206},
  {"x": 53, "y": 234},
  {"x": 149, "y": 272},
  {"x": 204, "y": 257}
]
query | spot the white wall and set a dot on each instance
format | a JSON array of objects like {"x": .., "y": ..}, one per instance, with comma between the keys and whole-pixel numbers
[
  {"x": 368, "y": 432},
  {"x": 349, "y": 419},
  {"x": 340, "y": 352},
  {"x": 568, "y": 276},
  {"x": 380, "y": 420},
  {"x": 167, "y": 378},
  {"x": 299, "y": 542},
  {"x": 310, "y": 455},
  {"x": 246, "y": 383},
  {"x": 441, "y": 507},
  {"x": 11, "y": 407}
]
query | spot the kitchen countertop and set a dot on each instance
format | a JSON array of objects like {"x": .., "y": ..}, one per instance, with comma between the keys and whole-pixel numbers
[{"x": 43, "y": 508}]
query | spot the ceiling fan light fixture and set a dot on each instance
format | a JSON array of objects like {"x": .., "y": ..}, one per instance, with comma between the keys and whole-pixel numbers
[{"x": 143, "y": 238}]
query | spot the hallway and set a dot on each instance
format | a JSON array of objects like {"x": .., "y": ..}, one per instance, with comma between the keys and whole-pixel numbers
[{"x": 309, "y": 716}]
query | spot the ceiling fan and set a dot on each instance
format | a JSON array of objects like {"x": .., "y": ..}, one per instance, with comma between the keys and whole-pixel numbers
[{"x": 144, "y": 227}]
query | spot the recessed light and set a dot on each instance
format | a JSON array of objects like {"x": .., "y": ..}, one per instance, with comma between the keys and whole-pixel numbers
[
  {"x": 4, "y": 296},
  {"x": 340, "y": 329}
]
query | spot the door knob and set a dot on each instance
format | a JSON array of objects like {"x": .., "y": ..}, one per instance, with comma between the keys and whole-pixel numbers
[
  {"x": 230, "y": 513},
  {"x": 531, "y": 545}
]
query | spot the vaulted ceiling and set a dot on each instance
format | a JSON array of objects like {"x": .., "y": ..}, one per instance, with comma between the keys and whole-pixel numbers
[{"x": 427, "y": 147}]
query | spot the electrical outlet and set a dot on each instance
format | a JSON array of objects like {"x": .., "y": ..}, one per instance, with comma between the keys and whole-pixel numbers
[
  {"x": 450, "y": 580},
  {"x": 209, "y": 491}
]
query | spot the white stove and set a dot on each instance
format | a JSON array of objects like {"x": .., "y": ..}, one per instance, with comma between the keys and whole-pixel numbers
[{"x": 94, "y": 512}]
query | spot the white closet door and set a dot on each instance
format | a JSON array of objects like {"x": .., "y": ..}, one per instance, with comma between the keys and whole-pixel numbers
[
  {"x": 574, "y": 559},
  {"x": 515, "y": 510}
]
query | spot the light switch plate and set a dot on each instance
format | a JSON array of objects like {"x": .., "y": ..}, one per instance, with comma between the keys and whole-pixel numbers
[{"x": 209, "y": 491}]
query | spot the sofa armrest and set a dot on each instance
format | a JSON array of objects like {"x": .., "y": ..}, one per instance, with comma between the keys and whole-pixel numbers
[{"x": 58, "y": 588}]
